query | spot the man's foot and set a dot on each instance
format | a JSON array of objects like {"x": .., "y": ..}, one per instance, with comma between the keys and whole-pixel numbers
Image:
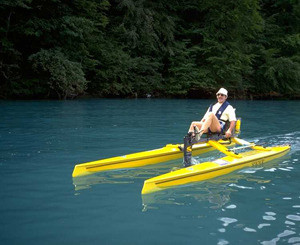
[{"x": 198, "y": 133}]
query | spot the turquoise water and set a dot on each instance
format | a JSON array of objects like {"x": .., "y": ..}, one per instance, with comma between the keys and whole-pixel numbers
[{"x": 41, "y": 141}]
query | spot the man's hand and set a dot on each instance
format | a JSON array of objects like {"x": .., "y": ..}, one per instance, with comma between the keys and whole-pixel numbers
[{"x": 228, "y": 133}]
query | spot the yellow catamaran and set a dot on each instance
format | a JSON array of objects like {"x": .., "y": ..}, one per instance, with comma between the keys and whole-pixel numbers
[{"x": 232, "y": 161}]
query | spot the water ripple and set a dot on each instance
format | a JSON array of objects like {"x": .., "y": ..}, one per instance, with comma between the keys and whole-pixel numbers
[
  {"x": 227, "y": 221},
  {"x": 231, "y": 206},
  {"x": 294, "y": 240},
  {"x": 260, "y": 226},
  {"x": 283, "y": 234},
  {"x": 222, "y": 242},
  {"x": 287, "y": 222},
  {"x": 286, "y": 233},
  {"x": 241, "y": 187},
  {"x": 293, "y": 217},
  {"x": 268, "y": 217},
  {"x": 247, "y": 229}
]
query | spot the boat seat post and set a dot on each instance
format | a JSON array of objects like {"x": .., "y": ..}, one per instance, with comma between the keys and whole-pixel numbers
[{"x": 187, "y": 150}]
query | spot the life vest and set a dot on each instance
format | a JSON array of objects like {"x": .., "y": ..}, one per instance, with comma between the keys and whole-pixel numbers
[{"x": 221, "y": 109}]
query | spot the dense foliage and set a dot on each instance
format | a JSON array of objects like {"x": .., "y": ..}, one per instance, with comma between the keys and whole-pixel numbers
[{"x": 134, "y": 48}]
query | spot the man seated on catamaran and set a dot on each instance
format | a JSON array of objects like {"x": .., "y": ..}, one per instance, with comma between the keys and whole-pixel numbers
[{"x": 220, "y": 118}]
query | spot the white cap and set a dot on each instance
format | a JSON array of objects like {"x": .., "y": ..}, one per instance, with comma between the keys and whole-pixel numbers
[{"x": 223, "y": 91}]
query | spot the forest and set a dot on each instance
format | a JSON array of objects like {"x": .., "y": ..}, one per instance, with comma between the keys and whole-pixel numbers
[{"x": 66, "y": 49}]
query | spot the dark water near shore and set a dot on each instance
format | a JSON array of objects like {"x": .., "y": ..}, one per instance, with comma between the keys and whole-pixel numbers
[{"x": 40, "y": 203}]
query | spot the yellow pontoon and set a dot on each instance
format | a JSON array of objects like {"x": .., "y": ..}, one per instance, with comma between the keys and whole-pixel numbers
[
  {"x": 164, "y": 154},
  {"x": 207, "y": 170}
]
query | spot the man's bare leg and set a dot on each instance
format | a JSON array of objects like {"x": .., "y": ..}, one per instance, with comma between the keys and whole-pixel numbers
[
  {"x": 198, "y": 124},
  {"x": 212, "y": 123}
]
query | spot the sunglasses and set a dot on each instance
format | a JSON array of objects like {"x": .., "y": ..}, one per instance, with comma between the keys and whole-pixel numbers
[{"x": 220, "y": 94}]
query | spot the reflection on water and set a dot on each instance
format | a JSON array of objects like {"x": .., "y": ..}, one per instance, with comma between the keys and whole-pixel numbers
[
  {"x": 123, "y": 176},
  {"x": 217, "y": 191}
]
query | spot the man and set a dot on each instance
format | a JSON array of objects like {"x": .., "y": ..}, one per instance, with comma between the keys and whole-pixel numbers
[{"x": 216, "y": 118}]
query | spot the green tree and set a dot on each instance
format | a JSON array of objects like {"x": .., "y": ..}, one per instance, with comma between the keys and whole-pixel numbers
[
  {"x": 10, "y": 56},
  {"x": 228, "y": 32},
  {"x": 277, "y": 63},
  {"x": 64, "y": 77},
  {"x": 61, "y": 49},
  {"x": 131, "y": 58},
  {"x": 56, "y": 29}
]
